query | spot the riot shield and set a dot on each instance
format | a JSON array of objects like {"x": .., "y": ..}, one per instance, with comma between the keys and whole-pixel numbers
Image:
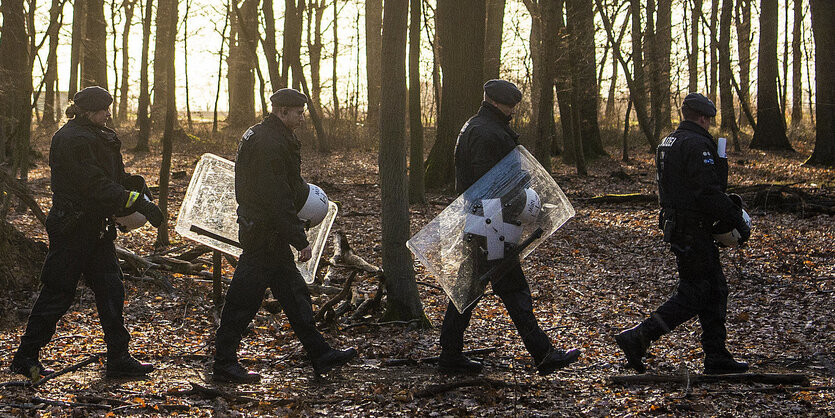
[
  {"x": 501, "y": 218},
  {"x": 208, "y": 214}
]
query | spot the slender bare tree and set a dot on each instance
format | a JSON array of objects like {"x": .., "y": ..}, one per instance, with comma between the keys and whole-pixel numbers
[
  {"x": 373, "y": 60},
  {"x": 142, "y": 117},
  {"x": 416, "y": 186},
  {"x": 770, "y": 132}
]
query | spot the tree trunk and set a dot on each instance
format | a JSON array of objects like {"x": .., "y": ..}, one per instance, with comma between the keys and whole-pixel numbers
[
  {"x": 334, "y": 90},
  {"x": 315, "y": 13},
  {"x": 220, "y": 67},
  {"x": 460, "y": 26},
  {"x": 416, "y": 186},
  {"x": 77, "y": 48},
  {"x": 241, "y": 64},
  {"x": 94, "y": 62},
  {"x": 170, "y": 124},
  {"x": 123, "y": 102},
  {"x": 142, "y": 117},
  {"x": 714, "y": 62},
  {"x": 493, "y": 39},
  {"x": 163, "y": 54},
  {"x": 743, "y": 31},
  {"x": 770, "y": 132},
  {"x": 16, "y": 85},
  {"x": 293, "y": 15},
  {"x": 562, "y": 82},
  {"x": 545, "y": 110},
  {"x": 726, "y": 96},
  {"x": 823, "y": 14},
  {"x": 663, "y": 45},
  {"x": 535, "y": 43},
  {"x": 581, "y": 26},
  {"x": 403, "y": 298},
  {"x": 373, "y": 59},
  {"x": 185, "y": 65},
  {"x": 638, "y": 93},
  {"x": 693, "y": 56},
  {"x": 797, "y": 65},
  {"x": 56, "y": 18},
  {"x": 269, "y": 45}
]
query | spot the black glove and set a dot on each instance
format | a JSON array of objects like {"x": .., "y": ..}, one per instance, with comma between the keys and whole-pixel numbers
[
  {"x": 149, "y": 210},
  {"x": 136, "y": 183},
  {"x": 744, "y": 232}
]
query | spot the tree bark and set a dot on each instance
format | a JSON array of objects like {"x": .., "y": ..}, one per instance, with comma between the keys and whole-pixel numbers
[
  {"x": 545, "y": 107},
  {"x": 77, "y": 48},
  {"x": 693, "y": 56},
  {"x": 743, "y": 30},
  {"x": 663, "y": 45},
  {"x": 241, "y": 64},
  {"x": 770, "y": 132},
  {"x": 493, "y": 39},
  {"x": 403, "y": 298},
  {"x": 168, "y": 132},
  {"x": 142, "y": 117},
  {"x": 823, "y": 14},
  {"x": 460, "y": 26},
  {"x": 220, "y": 67},
  {"x": 797, "y": 65},
  {"x": 373, "y": 59},
  {"x": 16, "y": 85},
  {"x": 94, "y": 62},
  {"x": 334, "y": 78},
  {"x": 293, "y": 14},
  {"x": 714, "y": 62},
  {"x": 56, "y": 18},
  {"x": 163, "y": 54},
  {"x": 269, "y": 45},
  {"x": 315, "y": 13},
  {"x": 416, "y": 186},
  {"x": 123, "y": 102},
  {"x": 726, "y": 96},
  {"x": 581, "y": 26}
]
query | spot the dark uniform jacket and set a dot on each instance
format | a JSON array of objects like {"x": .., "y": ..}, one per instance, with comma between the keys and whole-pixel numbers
[
  {"x": 484, "y": 140},
  {"x": 692, "y": 179},
  {"x": 268, "y": 182},
  {"x": 87, "y": 170}
]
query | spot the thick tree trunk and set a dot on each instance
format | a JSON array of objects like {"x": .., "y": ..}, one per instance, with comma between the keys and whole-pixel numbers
[
  {"x": 726, "y": 96},
  {"x": 241, "y": 62},
  {"x": 77, "y": 48},
  {"x": 315, "y": 13},
  {"x": 56, "y": 17},
  {"x": 94, "y": 62},
  {"x": 123, "y": 102},
  {"x": 770, "y": 132},
  {"x": 562, "y": 83},
  {"x": 743, "y": 31},
  {"x": 545, "y": 110},
  {"x": 493, "y": 39},
  {"x": 334, "y": 89},
  {"x": 823, "y": 14},
  {"x": 693, "y": 55},
  {"x": 269, "y": 45},
  {"x": 16, "y": 85},
  {"x": 797, "y": 65},
  {"x": 293, "y": 15},
  {"x": 373, "y": 59},
  {"x": 163, "y": 54},
  {"x": 170, "y": 122},
  {"x": 714, "y": 49},
  {"x": 403, "y": 298},
  {"x": 142, "y": 117},
  {"x": 581, "y": 26},
  {"x": 416, "y": 186},
  {"x": 460, "y": 26},
  {"x": 663, "y": 45}
]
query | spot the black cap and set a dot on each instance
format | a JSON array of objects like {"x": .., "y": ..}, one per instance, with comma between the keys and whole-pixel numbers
[
  {"x": 92, "y": 99},
  {"x": 288, "y": 98},
  {"x": 699, "y": 103},
  {"x": 503, "y": 91}
]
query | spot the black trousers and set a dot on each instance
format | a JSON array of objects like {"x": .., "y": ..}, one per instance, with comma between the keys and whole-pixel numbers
[
  {"x": 256, "y": 271},
  {"x": 702, "y": 291},
  {"x": 515, "y": 294},
  {"x": 71, "y": 257}
]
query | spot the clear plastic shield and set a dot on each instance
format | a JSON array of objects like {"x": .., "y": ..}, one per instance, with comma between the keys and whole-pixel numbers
[
  {"x": 487, "y": 221},
  {"x": 209, "y": 216}
]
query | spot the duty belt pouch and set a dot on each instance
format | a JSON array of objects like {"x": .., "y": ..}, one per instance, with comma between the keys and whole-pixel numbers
[{"x": 669, "y": 228}]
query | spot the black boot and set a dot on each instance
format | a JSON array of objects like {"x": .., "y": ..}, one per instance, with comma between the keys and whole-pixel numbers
[
  {"x": 124, "y": 365},
  {"x": 332, "y": 360},
  {"x": 234, "y": 373},
  {"x": 29, "y": 367},
  {"x": 722, "y": 362},
  {"x": 634, "y": 343},
  {"x": 458, "y": 363},
  {"x": 557, "y": 359}
]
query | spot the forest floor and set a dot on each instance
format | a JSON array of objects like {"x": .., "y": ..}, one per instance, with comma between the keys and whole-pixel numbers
[{"x": 603, "y": 271}]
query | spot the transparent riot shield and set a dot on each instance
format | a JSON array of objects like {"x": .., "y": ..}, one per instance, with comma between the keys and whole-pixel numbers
[
  {"x": 501, "y": 218},
  {"x": 209, "y": 216}
]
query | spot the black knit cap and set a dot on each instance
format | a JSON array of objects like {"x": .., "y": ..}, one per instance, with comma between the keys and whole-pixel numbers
[
  {"x": 288, "y": 98},
  {"x": 699, "y": 103},
  {"x": 92, "y": 99},
  {"x": 503, "y": 91}
]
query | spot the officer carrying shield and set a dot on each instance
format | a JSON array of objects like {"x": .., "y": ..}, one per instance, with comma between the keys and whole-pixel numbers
[
  {"x": 692, "y": 178},
  {"x": 484, "y": 140},
  {"x": 89, "y": 190},
  {"x": 270, "y": 193}
]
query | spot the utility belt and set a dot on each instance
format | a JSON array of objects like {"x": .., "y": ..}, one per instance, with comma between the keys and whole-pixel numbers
[
  {"x": 679, "y": 225},
  {"x": 68, "y": 221}
]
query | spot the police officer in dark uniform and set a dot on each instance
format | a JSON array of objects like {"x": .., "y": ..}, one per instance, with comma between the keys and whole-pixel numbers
[
  {"x": 692, "y": 179},
  {"x": 88, "y": 189},
  {"x": 484, "y": 140},
  {"x": 270, "y": 191}
]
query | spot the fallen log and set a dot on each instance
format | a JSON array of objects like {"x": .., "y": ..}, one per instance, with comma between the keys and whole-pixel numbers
[
  {"x": 766, "y": 378},
  {"x": 433, "y": 390},
  {"x": 51, "y": 402},
  {"x": 22, "y": 192},
  {"x": 346, "y": 291},
  {"x": 210, "y": 393},
  {"x": 622, "y": 198},
  {"x": 92, "y": 359},
  {"x": 434, "y": 359}
]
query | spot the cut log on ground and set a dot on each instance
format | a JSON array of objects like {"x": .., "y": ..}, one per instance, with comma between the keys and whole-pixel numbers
[{"x": 767, "y": 378}]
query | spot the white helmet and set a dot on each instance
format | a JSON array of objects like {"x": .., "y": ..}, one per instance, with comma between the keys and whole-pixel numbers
[
  {"x": 532, "y": 207},
  {"x": 731, "y": 238},
  {"x": 130, "y": 222},
  {"x": 315, "y": 207}
]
